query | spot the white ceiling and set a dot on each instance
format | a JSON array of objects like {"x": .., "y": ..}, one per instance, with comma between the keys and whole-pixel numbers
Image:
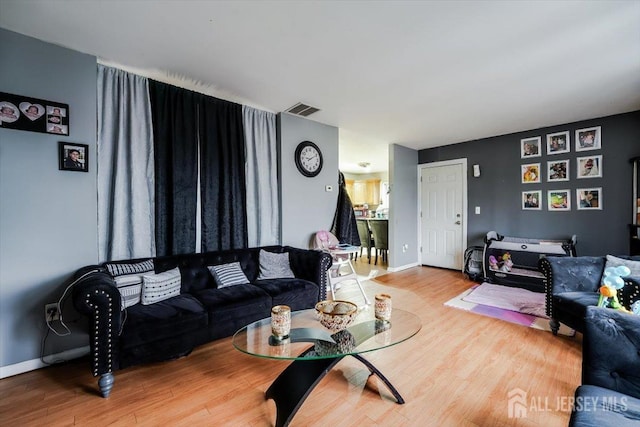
[{"x": 420, "y": 74}]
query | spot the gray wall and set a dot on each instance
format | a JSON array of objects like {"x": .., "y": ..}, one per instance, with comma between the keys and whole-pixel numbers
[
  {"x": 498, "y": 190},
  {"x": 47, "y": 217},
  {"x": 306, "y": 206},
  {"x": 403, "y": 206}
]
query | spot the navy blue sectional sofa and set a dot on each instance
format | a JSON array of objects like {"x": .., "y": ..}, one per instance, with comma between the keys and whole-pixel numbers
[
  {"x": 610, "y": 390},
  {"x": 202, "y": 312}
]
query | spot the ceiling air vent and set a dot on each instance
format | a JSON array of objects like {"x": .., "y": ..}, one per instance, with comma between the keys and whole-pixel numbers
[{"x": 303, "y": 110}]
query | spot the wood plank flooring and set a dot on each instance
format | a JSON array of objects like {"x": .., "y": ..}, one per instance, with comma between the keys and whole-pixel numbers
[{"x": 457, "y": 371}]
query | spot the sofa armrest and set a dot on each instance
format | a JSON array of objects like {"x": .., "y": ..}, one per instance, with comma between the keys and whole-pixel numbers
[
  {"x": 96, "y": 296},
  {"x": 611, "y": 350},
  {"x": 310, "y": 265},
  {"x": 630, "y": 293},
  {"x": 570, "y": 274}
]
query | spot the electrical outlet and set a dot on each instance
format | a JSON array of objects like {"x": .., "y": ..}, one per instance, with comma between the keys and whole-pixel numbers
[{"x": 51, "y": 312}]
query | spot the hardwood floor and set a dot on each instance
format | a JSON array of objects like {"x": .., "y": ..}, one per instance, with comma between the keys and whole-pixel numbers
[{"x": 457, "y": 371}]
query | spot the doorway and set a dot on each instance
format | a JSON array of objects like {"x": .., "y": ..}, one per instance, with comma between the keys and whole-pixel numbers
[{"x": 443, "y": 210}]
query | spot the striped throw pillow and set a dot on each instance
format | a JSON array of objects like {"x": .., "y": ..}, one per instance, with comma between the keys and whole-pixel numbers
[
  {"x": 228, "y": 274},
  {"x": 161, "y": 286},
  {"x": 116, "y": 269},
  {"x": 130, "y": 287}
]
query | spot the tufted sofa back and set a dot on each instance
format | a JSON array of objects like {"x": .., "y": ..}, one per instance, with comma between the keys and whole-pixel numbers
[{"x": 611, "y": 350}]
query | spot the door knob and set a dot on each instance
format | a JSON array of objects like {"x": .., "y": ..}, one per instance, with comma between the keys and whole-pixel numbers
[{"x": 457, "y": 222}]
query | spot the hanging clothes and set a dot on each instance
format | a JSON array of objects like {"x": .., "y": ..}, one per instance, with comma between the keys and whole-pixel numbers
[{"x": 345, "y": 227}]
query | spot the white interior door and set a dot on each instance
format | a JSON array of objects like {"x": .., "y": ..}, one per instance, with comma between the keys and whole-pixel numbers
[{"x": 443, "y": 209}]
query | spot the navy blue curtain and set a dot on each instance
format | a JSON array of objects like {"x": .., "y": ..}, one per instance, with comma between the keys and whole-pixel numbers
[
  {"x": 174, "y": 114},
  {"x": 222, "y": 175},
  {"x": 185, "y": 123}
]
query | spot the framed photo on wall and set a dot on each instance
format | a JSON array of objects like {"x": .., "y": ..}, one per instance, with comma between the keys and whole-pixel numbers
[
  {"x": 530, "y": 173},
  {"x": 589, "y": 198},
  {"x": 589, "y": 139},
  {"x": 532, "y": 200},
  {"x": 530, "y": 147},
  {"x": 559, "y": 200},
  {"x": 558, "y": 170},
  {"x": 589, "y": 167},
  {"x": 558, "y": 143},
  {"x": 73, "y": 157}
]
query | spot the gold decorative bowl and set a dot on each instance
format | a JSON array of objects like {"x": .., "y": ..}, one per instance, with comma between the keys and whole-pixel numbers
[{"x": 336, "y": 315}]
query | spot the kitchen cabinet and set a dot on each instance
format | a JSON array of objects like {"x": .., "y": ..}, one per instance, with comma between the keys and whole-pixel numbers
[{"x": 363, "y": 191}]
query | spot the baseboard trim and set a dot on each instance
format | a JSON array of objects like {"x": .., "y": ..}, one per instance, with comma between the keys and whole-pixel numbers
[
  {"x": 402, "y": 267},
  {"x": 32, "y": 365}
]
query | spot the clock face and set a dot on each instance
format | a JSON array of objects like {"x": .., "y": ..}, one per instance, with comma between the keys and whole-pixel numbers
[{"x": 308, "y": 159}]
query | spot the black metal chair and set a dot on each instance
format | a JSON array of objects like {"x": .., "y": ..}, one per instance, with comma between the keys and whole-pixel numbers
[
  {"x": 380, "y": 231},
  {"x": 366, "y": 239}
]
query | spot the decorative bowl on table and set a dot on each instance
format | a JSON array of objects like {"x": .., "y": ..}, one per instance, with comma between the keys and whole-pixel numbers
[{"x": 336, "y": 315}]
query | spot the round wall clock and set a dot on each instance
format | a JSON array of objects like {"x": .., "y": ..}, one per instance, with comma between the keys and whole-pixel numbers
[{"x": 308, "y": 159}]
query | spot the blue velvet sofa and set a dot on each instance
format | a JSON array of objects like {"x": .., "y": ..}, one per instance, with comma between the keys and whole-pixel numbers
[
  {"x": 610, "y": 390},
  {"x": 572, "y": 284},
  {"x": 201, "y": 312}
]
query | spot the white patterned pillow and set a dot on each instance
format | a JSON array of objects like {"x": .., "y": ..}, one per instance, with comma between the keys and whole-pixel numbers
[
  {"x": 228, "y": 274},
  {"x": 161, "y": 286},
  {"x": 613, "y": 261},
  {"x": 116, "y": 269},
  {"x": 274, "y": 266},
  {"x": 130, "y": 287}
]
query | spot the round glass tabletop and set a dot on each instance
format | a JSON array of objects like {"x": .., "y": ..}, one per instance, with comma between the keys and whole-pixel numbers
[{"x": 308, "y": 339}]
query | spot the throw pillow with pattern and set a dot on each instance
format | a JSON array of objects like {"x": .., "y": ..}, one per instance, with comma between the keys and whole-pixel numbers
[
  {"x": 274, "y": 266},
  {"x": 228, "y": 274},
  {"x": 118, "y": 269},
  {"x": 161, "y": 286}
]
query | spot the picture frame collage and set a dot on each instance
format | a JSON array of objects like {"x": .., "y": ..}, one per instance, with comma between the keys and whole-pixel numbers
[
  {"x": 43, "y": 116},
  {"x": 558, "y": 170}
]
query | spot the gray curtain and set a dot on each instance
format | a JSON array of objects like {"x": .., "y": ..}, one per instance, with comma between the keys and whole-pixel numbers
[
  {"x": 125, "y": 166},
  {"x": 263, "y": 213}
]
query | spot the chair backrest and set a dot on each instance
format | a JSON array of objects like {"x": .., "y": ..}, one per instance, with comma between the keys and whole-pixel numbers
[
  {"x": 380, "y": 230},
  {"x": 364, "y": 233},
  {"x": 325, "y": 240}
]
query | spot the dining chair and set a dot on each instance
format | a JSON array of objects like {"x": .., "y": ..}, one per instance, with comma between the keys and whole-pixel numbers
[
  {"x": 380, "y": 231},
  {"x": 366, "y": 239}
]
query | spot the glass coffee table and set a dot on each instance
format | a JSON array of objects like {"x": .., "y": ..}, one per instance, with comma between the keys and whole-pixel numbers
[{"x": 314, "y": 351}]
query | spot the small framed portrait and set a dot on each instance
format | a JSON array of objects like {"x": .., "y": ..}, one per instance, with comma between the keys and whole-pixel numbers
[
  {"x": 532, "y": 200},
  {"x": 558, "y": 170},
  {"x": 57, "y": 128},
  {"x": 589, "y": 198},
  {"x": 558, "y": 143},
  {"x": 589, "y": 167},
  {"x": 589, "y": 139},
  {"x": 9, "y": 113},
  {"x": 530, "y": 173},
  {"x": 73, "y": 157},
  {"x": 559, "y": 200},
  {"x": 56, "y": 111},
  {"x": 530, "y": 147}
]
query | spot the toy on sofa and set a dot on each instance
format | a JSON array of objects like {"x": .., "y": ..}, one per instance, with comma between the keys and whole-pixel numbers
[
  {"x": 611, "y": 283},
  {"x": 507, "y": 264},
  {"x": 635, "y": 308}
]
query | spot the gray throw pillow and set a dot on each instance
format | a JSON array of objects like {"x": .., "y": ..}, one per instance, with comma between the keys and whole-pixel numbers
[
  {"x": 228, "y": 274},
  {"x": 634, "y": 266},
  {"x": 274, "y": 266}
]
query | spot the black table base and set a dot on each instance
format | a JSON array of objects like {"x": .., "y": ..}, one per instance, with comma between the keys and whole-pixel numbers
[{"x": 298, "y": 380}]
